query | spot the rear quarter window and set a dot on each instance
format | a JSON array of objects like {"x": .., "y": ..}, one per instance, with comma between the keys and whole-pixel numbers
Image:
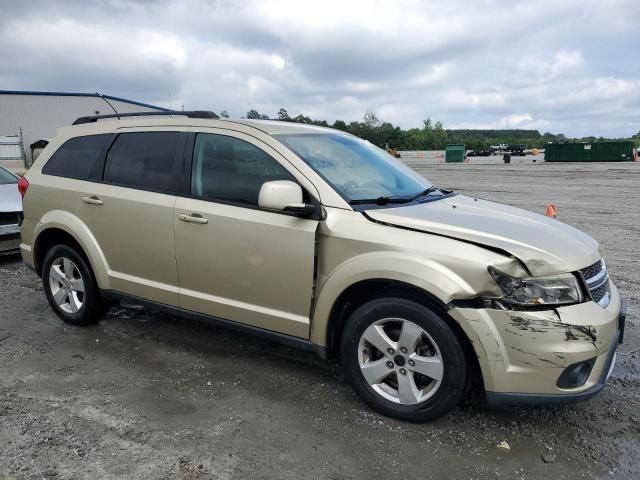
[{"x": 76, "y": 156}]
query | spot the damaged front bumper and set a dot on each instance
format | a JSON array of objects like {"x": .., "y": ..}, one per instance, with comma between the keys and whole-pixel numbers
[{"x": 523, "y": 354}]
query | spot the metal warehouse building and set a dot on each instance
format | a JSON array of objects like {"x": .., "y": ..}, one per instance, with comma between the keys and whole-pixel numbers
[{"x": 26, "y": 117}]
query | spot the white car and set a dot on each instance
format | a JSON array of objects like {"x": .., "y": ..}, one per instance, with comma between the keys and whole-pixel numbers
[
  {"x": 10, "y": 212},
  {"x": 500, "y": 148}
]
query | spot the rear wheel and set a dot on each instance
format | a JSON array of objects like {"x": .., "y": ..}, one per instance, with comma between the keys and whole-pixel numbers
[
  {"x": 403, "y": 359},
  {"x": 70, "y": 287}
]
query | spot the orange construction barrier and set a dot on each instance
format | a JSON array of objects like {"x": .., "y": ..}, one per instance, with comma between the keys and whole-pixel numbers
[{"x": 551, "y": 211}]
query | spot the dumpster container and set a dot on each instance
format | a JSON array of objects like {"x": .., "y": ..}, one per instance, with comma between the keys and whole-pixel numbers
[
  {"x": 617, "y": 151},
  {"x": 454, "y": 154},
  {"x": 507, "y": 158}
]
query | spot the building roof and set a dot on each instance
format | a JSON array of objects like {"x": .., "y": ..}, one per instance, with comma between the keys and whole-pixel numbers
[{"x": 74, "y": 94}]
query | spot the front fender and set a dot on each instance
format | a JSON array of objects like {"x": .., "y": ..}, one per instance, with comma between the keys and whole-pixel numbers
[
  {"x": 76, "y": 228},
  {"x": 419, "y": 272}
]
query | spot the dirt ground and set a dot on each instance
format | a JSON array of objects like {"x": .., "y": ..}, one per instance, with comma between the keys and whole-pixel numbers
[{"x": 146, "y": 395}]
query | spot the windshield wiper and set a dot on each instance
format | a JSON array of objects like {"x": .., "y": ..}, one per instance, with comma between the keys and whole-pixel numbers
[
  {"x": 380, "y": 200},
  {"x": 424, "y": 193},
  {"x": 397, "y": 199}
]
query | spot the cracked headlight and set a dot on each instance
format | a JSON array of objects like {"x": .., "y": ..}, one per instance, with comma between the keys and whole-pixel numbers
[{"x": 535, "y": 291}]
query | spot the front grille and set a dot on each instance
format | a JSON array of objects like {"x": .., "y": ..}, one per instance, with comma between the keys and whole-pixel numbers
[
  {"x": 10, "y": 218},
  {"x": 9, "y": 243},
  {"x": 599, "y": 293},
  {"x": 592, "y": 270},
  {"x": 597, "y": 279}
]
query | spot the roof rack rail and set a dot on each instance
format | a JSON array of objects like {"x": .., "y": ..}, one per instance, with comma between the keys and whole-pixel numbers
[{"x": 189, "y": 114}]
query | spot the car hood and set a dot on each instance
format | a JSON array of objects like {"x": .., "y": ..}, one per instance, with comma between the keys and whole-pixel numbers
[
  {"x": 545, "y": 245},
  {"x": 10, "y": 200}
]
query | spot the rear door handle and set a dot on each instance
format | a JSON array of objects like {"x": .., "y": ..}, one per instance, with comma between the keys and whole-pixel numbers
[
  {"x": 92, "y": 200},
  {"x": 193, "y": 218}
]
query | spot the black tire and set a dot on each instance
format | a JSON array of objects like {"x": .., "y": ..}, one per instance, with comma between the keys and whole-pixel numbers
[
  {"x": 93, "y": 306},
  {"x": 451, "y": 389}
]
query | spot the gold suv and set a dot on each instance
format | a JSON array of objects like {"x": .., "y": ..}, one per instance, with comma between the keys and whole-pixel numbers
[{"x": 320, "y": 240}]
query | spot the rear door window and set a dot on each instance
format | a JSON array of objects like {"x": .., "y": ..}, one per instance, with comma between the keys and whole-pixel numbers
[
  {"x": 76, "y": 156},
  {"x": 144, "y": 160}
]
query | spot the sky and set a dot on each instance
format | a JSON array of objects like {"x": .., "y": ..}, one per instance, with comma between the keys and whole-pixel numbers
[{"x": 562, "y": 66}]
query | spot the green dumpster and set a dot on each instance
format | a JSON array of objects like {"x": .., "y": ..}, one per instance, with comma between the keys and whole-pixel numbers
[
  {"x": 617, "y": 151},
  {"x": 454, "y": 153}
]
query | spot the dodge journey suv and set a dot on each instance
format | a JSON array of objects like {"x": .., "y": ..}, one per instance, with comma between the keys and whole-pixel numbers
[{"x": 320, "y": 240}]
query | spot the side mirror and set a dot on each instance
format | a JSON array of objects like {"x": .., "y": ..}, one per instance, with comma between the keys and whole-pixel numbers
[{"x": 285, "y": 196}]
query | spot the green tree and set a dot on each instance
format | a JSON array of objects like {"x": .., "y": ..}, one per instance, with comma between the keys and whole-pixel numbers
[
  {"x": 340, "y": 125},
  {"x": 283, "y": 115},
  {"x": 431, "y": 135},
  {"x": 371, "y": 120},
  {"x": 439, "y": 139},
  {"x": 224, "y": 114},
  {"x": 253, "y": 114},
  {"x": 302, "y": 119}
]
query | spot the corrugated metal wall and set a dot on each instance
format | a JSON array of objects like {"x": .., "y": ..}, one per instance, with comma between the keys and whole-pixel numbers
[
  {"x": 12, "y": 154},
  {"x": 40, "y": 116}
]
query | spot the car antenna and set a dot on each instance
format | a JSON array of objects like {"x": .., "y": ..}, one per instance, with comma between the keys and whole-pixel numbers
[{"x": 108, "y": 103}]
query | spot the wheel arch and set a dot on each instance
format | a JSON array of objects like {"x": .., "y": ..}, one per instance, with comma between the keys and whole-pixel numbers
[
  {"x": 356, "y": 294},
  {"x": 361, "y": 292},
  {"x": 412, "y": 272},
  {"x": 55, "y": 230},
  {"x": 49, "y": 238}
]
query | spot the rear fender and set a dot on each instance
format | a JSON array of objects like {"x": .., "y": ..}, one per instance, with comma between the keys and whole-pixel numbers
[{"x": 72, "y": 225}]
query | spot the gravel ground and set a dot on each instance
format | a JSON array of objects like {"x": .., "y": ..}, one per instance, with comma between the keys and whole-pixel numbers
[{"x": 147, "y": 395}]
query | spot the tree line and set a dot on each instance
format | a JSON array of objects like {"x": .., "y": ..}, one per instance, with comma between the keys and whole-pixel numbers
[{"x": 430, "y": 136}]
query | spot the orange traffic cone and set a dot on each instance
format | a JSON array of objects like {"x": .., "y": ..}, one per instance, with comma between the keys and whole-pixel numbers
[{"x": 551, "y": 211}]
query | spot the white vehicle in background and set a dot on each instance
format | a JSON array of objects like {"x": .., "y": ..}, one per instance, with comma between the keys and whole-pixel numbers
[
  {"x": 503, "y": 147},
  {"x": 10, "y": 212}
]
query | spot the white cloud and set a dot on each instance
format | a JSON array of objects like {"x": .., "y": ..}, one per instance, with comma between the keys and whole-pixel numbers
[
  {"x": 562, "y": 66},
  {"x": 163, "y": 48},
  {"x": 566, "y": 62}
]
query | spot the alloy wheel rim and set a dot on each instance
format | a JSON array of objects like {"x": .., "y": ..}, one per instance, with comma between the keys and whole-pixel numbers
[
  {"x": 67, "y": 285},
  {"x": 400, "y": 361}
]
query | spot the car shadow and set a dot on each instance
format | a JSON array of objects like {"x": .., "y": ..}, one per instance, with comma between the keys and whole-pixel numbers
[{"x": 10, "y": 257}]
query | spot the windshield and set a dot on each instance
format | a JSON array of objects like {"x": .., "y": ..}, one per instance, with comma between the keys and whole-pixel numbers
[
  {"x": 7, "y": 177},
  {"x": 355, "y": 168}
]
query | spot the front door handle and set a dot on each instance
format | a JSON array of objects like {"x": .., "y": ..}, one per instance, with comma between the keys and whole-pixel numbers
[
  {"x": 92, "y": 200},
  {"x": 193, "y": 218}
]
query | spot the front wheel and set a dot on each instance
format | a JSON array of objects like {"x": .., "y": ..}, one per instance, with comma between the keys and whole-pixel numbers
[{"x": 403, "y": 359}]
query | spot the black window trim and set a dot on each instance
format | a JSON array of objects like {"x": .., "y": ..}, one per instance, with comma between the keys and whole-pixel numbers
[
  {"x": 187, "y": 172},
  {"x": 97, "y": 173}
]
